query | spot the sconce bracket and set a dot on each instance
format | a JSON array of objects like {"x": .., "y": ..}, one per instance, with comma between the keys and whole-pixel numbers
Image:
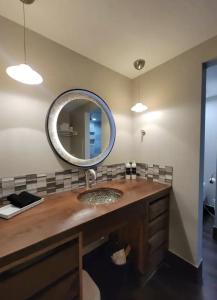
[{"x": 143, "y": 133}]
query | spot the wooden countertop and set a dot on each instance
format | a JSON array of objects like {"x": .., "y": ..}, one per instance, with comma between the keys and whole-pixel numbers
[{"x": 63, "y": 213}]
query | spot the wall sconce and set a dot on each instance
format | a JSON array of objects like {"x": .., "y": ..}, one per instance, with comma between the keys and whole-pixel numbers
[{"x": 143, "y": 133}]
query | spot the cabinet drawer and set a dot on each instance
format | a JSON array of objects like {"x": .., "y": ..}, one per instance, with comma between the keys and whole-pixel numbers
[
  {"x": 65, "y": 289},
  {"x": 157, "y": 240},
  {"x": 157, "y": 257},
  {"x": 28, "y": 279},
  {"x": 158, "y": 207},
  {"x": 161, "y": 222}
]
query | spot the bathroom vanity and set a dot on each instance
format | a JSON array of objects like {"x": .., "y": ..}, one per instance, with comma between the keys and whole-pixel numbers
[{"x": 41, "y": 249}]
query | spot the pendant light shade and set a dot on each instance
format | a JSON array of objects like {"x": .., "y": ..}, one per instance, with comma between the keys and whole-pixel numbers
[
  {"x": 139, "y": 107},
  {"x": 23, "y": 72}
]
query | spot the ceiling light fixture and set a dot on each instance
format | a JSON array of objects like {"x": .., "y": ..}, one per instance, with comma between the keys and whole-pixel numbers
[
  {"x": 139, "y": 64},
  {"x": 23, "y": 72},
  {"x": 139, "y": 107}
]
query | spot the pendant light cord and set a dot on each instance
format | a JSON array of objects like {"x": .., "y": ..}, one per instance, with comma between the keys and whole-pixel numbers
[
  {"x": 139, "y": 88},
  {"x": 24, "y": 32}
]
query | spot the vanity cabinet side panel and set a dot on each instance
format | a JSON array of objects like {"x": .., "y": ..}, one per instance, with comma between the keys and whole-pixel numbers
[{"x": 135, "y": 234}]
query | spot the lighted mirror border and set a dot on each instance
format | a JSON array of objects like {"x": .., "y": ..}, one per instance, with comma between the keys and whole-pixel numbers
[{"x": 51, "y": 126}]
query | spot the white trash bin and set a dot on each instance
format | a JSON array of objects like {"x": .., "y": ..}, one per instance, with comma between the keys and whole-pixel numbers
[{"x": 89, "y": 288}]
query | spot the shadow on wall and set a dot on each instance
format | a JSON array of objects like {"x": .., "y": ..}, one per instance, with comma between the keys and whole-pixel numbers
[
  {"x": 175, "y": 129},
  {"x": 177, "y": 231}
]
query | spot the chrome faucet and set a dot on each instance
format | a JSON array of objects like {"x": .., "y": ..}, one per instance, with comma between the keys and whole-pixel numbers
[{"x": 89, "y": 172}]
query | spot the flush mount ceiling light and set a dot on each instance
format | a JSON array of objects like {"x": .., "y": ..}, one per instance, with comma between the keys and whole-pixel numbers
[
  {"x": 139, "y": 107},
  {"x": 23, "y": 72}
]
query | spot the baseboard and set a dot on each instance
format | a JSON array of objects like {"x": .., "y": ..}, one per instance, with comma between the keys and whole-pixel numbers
[
  {"x": 214, "y": 233},
  {"x": 183, "y": 268}
]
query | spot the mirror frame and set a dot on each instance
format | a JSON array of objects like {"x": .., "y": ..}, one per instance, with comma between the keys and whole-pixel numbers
[{"x": 51, "y": 126}]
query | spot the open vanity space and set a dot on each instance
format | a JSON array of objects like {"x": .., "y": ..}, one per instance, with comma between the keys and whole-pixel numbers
[{"x": 41, "y": 249}]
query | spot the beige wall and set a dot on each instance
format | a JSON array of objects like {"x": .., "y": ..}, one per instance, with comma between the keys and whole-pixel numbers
[
  {"x": 23, "y": 144},
  {"x": 172, "y": 92}
]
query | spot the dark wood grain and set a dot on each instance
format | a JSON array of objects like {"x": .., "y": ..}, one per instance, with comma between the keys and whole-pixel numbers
[
  {"x": 158, "y": 207},
  {"x": 63, "y": 289},
  {"x": 45, "y": 274},
  {"x": 168, "y": 283},
  {"x": 134, "y": 226},
  {"x": 62, "y": 215},
  {"x": 158, "y": 224}
]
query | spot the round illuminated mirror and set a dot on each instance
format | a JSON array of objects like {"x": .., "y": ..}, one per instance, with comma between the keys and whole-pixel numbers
[{"x": 81, "y": 128}]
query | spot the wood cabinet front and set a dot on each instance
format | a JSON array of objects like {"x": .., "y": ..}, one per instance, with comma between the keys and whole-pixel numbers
[
  {"x": 148, "y": 234},
  {"x": 64, "y": 289},
  {"x": 158, "y": 232},
  {"x": 44, "y": 269},
  {"x": 51, "y": 271}
]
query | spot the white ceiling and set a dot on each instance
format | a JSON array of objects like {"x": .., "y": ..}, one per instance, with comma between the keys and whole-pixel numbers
[
  {"x": 116, "y": 32},
  {"x": 211, "y": 81}
]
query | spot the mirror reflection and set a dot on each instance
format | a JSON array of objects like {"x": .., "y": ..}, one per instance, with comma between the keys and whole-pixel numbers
[{"x": 83, "y": 129}]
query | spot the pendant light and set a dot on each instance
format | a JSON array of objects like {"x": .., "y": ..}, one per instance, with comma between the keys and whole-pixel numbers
[
  {"x": 139, "y": 107},
  {"x": 23, "y": 72}
]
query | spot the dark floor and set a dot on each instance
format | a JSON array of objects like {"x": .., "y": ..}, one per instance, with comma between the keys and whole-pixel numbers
[{"x": 166, "y": 284}]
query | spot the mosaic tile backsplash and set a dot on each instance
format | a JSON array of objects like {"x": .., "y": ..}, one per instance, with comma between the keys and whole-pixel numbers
[
  {"x": 155, "y": 172},
  {"x": 44, "y": 184}
]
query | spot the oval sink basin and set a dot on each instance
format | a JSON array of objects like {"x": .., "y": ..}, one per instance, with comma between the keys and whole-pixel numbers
[{"x": 100, "y": 196}]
